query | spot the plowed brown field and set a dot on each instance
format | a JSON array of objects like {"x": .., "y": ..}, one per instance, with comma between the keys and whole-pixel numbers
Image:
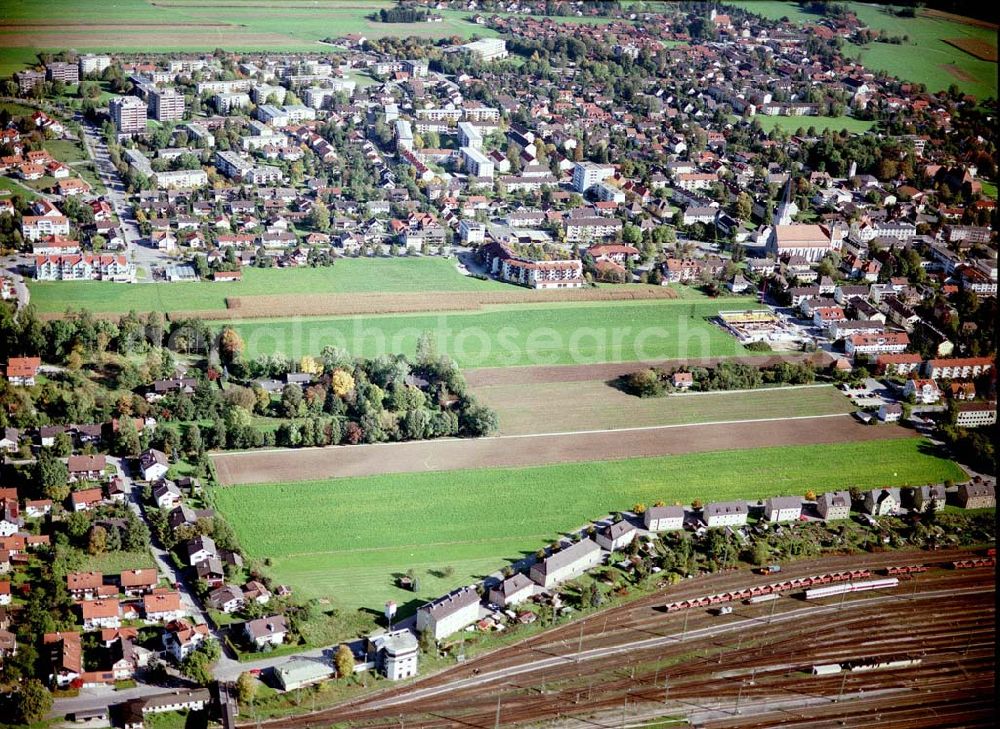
[{"x": 277, "y": 466}]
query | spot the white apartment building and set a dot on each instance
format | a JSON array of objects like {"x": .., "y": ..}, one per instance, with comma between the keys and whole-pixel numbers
[
  {"x": 588, "y": 174},
  {"x": 469, "y": 136},
  {"x": 36, "y": 227},
  {"x": 476, "y": 163},
  {"x": 226, "y": 102},
  {"x": 92, "y": 63},
  {"x": 449, "y": 614},
  {"x": 569, "y": 562},
  {"x": 180, "y": 179},
  {"x": 128, "y": 114},
  {"x": 166, "y": 105}
]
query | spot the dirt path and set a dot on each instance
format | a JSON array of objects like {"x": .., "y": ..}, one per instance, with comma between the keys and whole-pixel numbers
[
  {"x": 276, "y": 466},
  {"x": 610, "y": 371}
]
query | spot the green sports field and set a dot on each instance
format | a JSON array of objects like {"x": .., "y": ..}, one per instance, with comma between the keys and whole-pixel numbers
[
  {"x": 820, "y": 123},
  {"x": 347, "y": 275},
  {"x": 925, "y": 58},
  {"x": 575, "y": 333},
  {"x": 344, "y": 539}
]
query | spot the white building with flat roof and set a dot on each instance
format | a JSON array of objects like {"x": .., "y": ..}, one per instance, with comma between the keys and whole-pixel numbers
[
  {"x": 476, "y": 163},
  {"x": 588, "y": 174}
]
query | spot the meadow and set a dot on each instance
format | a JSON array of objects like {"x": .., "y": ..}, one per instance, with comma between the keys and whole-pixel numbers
[
  {"x": 345, "y": 539},
  {"x": 347, "y": 275},
  {"x": 595, "y": 405},
  {"x": 821, "y": 123},
  {"x": 925, "y": 58},
  {"x": 576, "y": 333}
]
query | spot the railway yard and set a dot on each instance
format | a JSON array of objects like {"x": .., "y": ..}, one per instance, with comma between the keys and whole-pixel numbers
[{"x": 641, "y": 665}]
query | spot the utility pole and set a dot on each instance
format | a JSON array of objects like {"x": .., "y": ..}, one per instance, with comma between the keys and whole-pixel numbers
[
  {"x": 686, "y": 614},
  {"x": 774, "y": 604},
  {"x": 840, "y": 695},
  {"x": 579, "y": 645},
  {"x": 666, "y": 688},
  {"x": 739, "y": 695},
  {"x": 496, "y": 723}
]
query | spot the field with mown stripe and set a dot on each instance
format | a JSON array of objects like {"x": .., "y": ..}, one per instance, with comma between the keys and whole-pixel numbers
[
  {"x": 591, "y": 405},
  {"x": 577, "y": 333}
]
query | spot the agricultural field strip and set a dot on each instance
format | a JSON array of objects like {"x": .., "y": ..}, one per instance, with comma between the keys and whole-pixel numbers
[
  {"x": 558, "y": 433},
  {"x": 597, "y": 405}
]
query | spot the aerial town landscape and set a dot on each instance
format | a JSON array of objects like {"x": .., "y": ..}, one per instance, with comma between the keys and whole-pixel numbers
[{"x": 480, "y": 363}]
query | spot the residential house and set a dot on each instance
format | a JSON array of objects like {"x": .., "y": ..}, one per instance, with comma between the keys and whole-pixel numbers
[
  {"x": 616, "y": 536},
  {"x": 929, "y": 497},
  {"x": 925, "y": 392},
  {"x": 86, "y": 499},
  {"x": 84, "y": 585},
  {"x": 138, "y": 582},
  {"x": 881, "y": 502},
  {"x": 100, "y": 613},
  {"x": 449, "y": 614},
  {"x": 21, "y": 371},
  {"x": 513, "y": 590},
  {"x": 166, "y": 494},
  {"x": 162, "y": 606},
  {"x": 86, "y": 468},
  {"x": 200, "y": 549},
  {"x": 181, "y": 638},
  {"x": 977, "y": 495},
  {"x": 567, "y": 563},
  {"x": 153, "y": 464},
  {"x": 782, "y": 508},
  {"x": 65, "y": 657},
  {"x": 227, "y": 599},
  {"x": 266, "y": 631},
  {"x": 890, "y": 412},
  {"x": 299, "y": 672},
  {"x": 725, "y": 513},
  {"x": 663, "y": 518},
  {"x": 834, "y": 505}
]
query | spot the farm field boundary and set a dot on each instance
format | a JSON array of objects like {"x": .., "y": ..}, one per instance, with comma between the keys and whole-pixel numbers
[
  {"x": 488, "y": 376},
  {"x": 273, "y": 466},
  {"x": 251, "y": 307},
  {"x": 516, "y": 335},
  {"x": 525, "y": 409},
  {"x": 975, "y": 47}
]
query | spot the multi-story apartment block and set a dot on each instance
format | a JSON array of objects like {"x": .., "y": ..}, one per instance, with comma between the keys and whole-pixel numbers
[
  {"x": 92, "y": 63},
  {"x": 588, "y": 174},
  {"x": 128, "y": 114},
  {"x": 958, "y": 368},
  {"x": 226, "y": 102},
  {"x": 476, "y": 163},
  {"x": 585, "y": 228},
  {"x": 885, "y": 343},
  {"x": 84, "y": 267},
  {"x": 166, "y": 105},
  {"x": 36, "y": 227},
  {"x": 66, "y": 72}
]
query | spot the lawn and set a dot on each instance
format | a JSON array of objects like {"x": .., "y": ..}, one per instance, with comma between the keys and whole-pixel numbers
[
  {"x": 344, "y": 539},
  {"x": 348, "y": 275},
  {"x": 925, "y": 58},
  {"x": 111, "y": 563},
  {"x": 821, "y": 123},
  {"x": 593, "y": 405},
  {"x": 577, "y": 333},
  {"x": 66, "y": 150}
]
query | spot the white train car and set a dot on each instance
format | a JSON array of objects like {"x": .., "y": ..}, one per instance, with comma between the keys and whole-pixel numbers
[
  {"x": 845, "y": 587},
  {"x": 763, "y": 598}
]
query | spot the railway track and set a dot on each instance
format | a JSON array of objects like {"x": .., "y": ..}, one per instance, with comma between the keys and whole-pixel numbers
[{"x": 636, "y": 662}]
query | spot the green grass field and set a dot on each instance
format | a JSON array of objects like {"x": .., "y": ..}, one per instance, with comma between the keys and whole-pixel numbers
[
  {"x": 348, "y": 275},
  {"x": 575, "y": 333},
  {"x": 593, "y": 405},
  {"x": 793, "y": 123},
  {"x": 202, "y": 25},
  {"x": 344, "y": 539},
  {"x": 926, "y": 58}
]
